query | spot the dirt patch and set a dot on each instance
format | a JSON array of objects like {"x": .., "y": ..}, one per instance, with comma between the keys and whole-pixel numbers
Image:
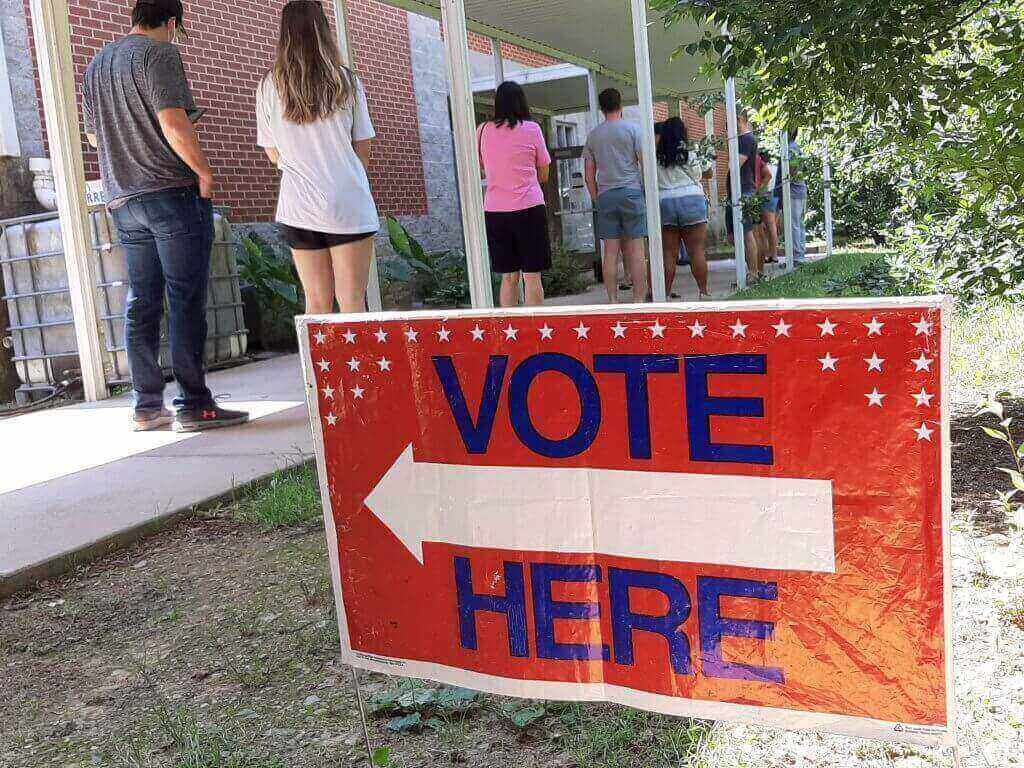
[{"x": 214, "y": 644}]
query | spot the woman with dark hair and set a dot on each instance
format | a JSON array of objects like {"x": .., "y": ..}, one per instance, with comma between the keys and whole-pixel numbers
[
  {"x": 684, "y": 206},
  {"x": 515, "y": 162},
  {"x": 314, "y": 124}
]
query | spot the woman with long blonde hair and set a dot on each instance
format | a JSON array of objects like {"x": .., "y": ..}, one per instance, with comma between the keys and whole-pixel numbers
[{"x": 314, "y": 124}]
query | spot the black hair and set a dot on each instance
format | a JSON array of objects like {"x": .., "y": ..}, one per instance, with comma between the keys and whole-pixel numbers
[
  {"x": 673, "y": 149},
  {"x": 510, "y": 107},
  {"x": 610, "y": 100},
  {"x": 152, "y": 14}
]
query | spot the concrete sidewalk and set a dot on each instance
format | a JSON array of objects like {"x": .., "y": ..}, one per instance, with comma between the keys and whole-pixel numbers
[{"x": 76, "y": 481}]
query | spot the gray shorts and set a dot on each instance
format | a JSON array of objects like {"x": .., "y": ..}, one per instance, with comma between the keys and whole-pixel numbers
[
  {"x": 685, "y": 211},
  {"x": 621, "y": 214}
]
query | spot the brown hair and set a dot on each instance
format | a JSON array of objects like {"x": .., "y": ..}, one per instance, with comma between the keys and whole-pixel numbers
[{"x": 308, "y": 74}]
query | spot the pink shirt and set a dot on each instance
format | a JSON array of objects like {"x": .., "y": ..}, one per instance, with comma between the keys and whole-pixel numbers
[{"x": 510, "y": 157}]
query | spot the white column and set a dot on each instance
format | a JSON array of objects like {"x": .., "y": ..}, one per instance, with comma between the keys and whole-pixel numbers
[
  {"x": 787, "y": 198},
  {"x": 594, "y": 110},
  {"x": 499, "y": 63},
  {"x": 373, "y": 298},
  {"x": 52, "y": 34},
  {"x": 709, "y": 130},
  {"x": 826, "y": 175},
  {"x": 645, "y": 90},
  {"x": 467, "y": 160},
  {"x": 735, "y": 196}
]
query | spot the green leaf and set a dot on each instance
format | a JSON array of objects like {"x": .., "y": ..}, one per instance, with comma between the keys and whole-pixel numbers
[
  {"x": 526, "y": 716},
  {"x": 995, "y": 434},
  {"x": 405, "y": 723},
  {"x": 418, "y": 698},
  {"x": 399, "y": 237},
  {"x": 382, "y": 757},
  {"x": 1015, "y": 477}
]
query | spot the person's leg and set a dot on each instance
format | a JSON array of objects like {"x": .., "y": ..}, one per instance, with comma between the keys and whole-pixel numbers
[
  {"x": 144, "y": 307},
  {"x": 799, "y": 229},
  {"x": 510, "y": 289},
  {"x": 182, "y": 224},
  {"x": 317, "y": 277},
  {"x": 534, "y": 289},
  {"x": 633, "y": 255},
  {"x": 351, "y": 263},
  {"x": 670, "y": 255},
  {"x": 694, "y": 238},
  {"x": 771, "y": 236},
  {"x": 610, "y": 267},
  {"x": 750, "y": 244}
]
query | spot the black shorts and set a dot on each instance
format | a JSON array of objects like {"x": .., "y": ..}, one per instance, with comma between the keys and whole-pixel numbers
[
  {"x": 518, "y": 240},
  {"x": 307, "y": 240}
]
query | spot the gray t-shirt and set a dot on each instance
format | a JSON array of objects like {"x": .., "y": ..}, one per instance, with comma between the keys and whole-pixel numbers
[
  {"x": 614, "y": 146},
  {"x": 127, "y": 83}
]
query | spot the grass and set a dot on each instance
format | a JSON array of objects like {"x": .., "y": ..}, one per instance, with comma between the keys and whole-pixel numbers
[
  {"x": 620, "y": 737},
  {"x": 290, "y": 497},
  {"x": 808, "y": 280}
]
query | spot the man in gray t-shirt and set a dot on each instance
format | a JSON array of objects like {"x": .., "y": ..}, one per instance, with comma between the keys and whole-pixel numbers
[
  {"x": 139, "y": 115},
  {"x": 615, "y": 181}
]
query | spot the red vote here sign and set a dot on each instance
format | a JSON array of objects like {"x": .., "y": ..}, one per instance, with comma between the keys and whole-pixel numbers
[{"x": 732, "y": 511}]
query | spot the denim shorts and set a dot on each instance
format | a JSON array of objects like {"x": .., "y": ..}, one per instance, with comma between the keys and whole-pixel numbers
[
  {"x": 685, "y": 211},
  {"x": 771, "y": 205},
  {"x": 621, "y": 214}
]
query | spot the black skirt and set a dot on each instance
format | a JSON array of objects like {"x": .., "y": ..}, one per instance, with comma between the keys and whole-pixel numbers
[{"x": 518, "y": 240}]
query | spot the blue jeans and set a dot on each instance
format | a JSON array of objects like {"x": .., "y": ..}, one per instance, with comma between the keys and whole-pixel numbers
[
  {"x": 167, "y": 238},
  {"x": 799, "y": 229}
]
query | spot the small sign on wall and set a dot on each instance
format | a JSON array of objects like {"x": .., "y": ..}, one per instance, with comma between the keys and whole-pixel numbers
[{"x": 94, "y": 193}]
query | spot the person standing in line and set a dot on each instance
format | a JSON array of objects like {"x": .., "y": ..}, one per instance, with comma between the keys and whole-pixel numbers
[
  {"x": 748, "y": 188},
  {"x": 798, "y": 197},
  {"x": 769, "y": 208},
  {"x": 314, "y": 124},
  {"x": 515, "y": 161},
  {"x": 684, "y": 205},
  {"x": 158, "y": 185},
  {"x": 614, "y": 179}
]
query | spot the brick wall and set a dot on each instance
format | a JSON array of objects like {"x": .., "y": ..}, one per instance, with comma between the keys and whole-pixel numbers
[
  {"x": 230, "y": 46},
  {"x": 510, "y": 52}
]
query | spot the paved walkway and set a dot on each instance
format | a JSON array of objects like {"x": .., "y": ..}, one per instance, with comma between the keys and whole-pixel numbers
[{"x": 76, "y": 480}]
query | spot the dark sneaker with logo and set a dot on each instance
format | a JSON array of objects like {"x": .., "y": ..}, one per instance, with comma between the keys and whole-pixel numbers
[
  {"x": 149, "y": 420},
  {"x": 213, "y": 417}
]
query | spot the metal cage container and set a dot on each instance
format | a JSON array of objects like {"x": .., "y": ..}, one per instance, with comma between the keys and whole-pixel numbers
[{"x": 39, "y": 305}]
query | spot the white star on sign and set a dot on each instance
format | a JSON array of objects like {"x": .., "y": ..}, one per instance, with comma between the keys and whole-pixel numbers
[
  {"x": 384, "y": 364},
  {"x": 828, "y": 328},
  {"x": 874, "y": 327},
  {"x": 697, "y": 329},
  {"x": 739, "y": 329},
  {"x": 319, "y": 336},
  {"x": 381, "y": 335},
  {"x": 657, "y": 330},
  {"x": 782, "y": 329},
  {"x": 619, "y": 330},
  {"x": 828, "y": 363},
  {"x": 324, "y": 366},
  {"x": 923, "y": 398},
  {"x": 329, "y": 393},
  {"x": 875, "y": 397},
  {"x": 477, "y": 333},
  {"x": 349, "y": 336},
  {"x": 581, "y": 331},
  {"x": 923, "y": 433},
  {"x": 332, "y": 419},
  {"x": 412, "y": 335},
  {"x": 546, "y": 331},
  {"x": 353, "y": 364},
  {"x": 357, "y": 392},
  {"x": 922, "y": 363},
  {"x": 923, "y": 327},
  {"x": 874, "y": 362},
  {"x": 511, "y": 334},
  {"x": 443, "y": 334}
]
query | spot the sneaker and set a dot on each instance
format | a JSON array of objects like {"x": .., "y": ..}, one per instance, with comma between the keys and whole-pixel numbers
[
  {"x": 147, "y": 420},
  {"x": 213, "y": 417}
]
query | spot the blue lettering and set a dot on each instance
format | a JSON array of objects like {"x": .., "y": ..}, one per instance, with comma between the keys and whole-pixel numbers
[
  {"x": 713, "y": 627},
  {"x": 546, "y": 610},
  {"x": 513, "y": 605},
  {"x": 475, "y": 437},
  {"x": 700, "y": 407},
  {"x": 586, "y": 390},
  {"x": 638, "y": 412},
  {"x": 669, "y": 626}
]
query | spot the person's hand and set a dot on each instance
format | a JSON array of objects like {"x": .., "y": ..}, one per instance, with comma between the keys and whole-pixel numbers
[{"x": 207, "y": 186}]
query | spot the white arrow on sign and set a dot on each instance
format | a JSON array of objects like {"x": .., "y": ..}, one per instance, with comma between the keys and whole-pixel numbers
[{"x": 754, "y": 522}]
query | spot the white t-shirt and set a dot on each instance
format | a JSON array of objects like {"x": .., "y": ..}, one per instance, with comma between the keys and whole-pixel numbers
[
  {"x": 681, "y": 179},
  {"x": 324, "y": 187}
]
